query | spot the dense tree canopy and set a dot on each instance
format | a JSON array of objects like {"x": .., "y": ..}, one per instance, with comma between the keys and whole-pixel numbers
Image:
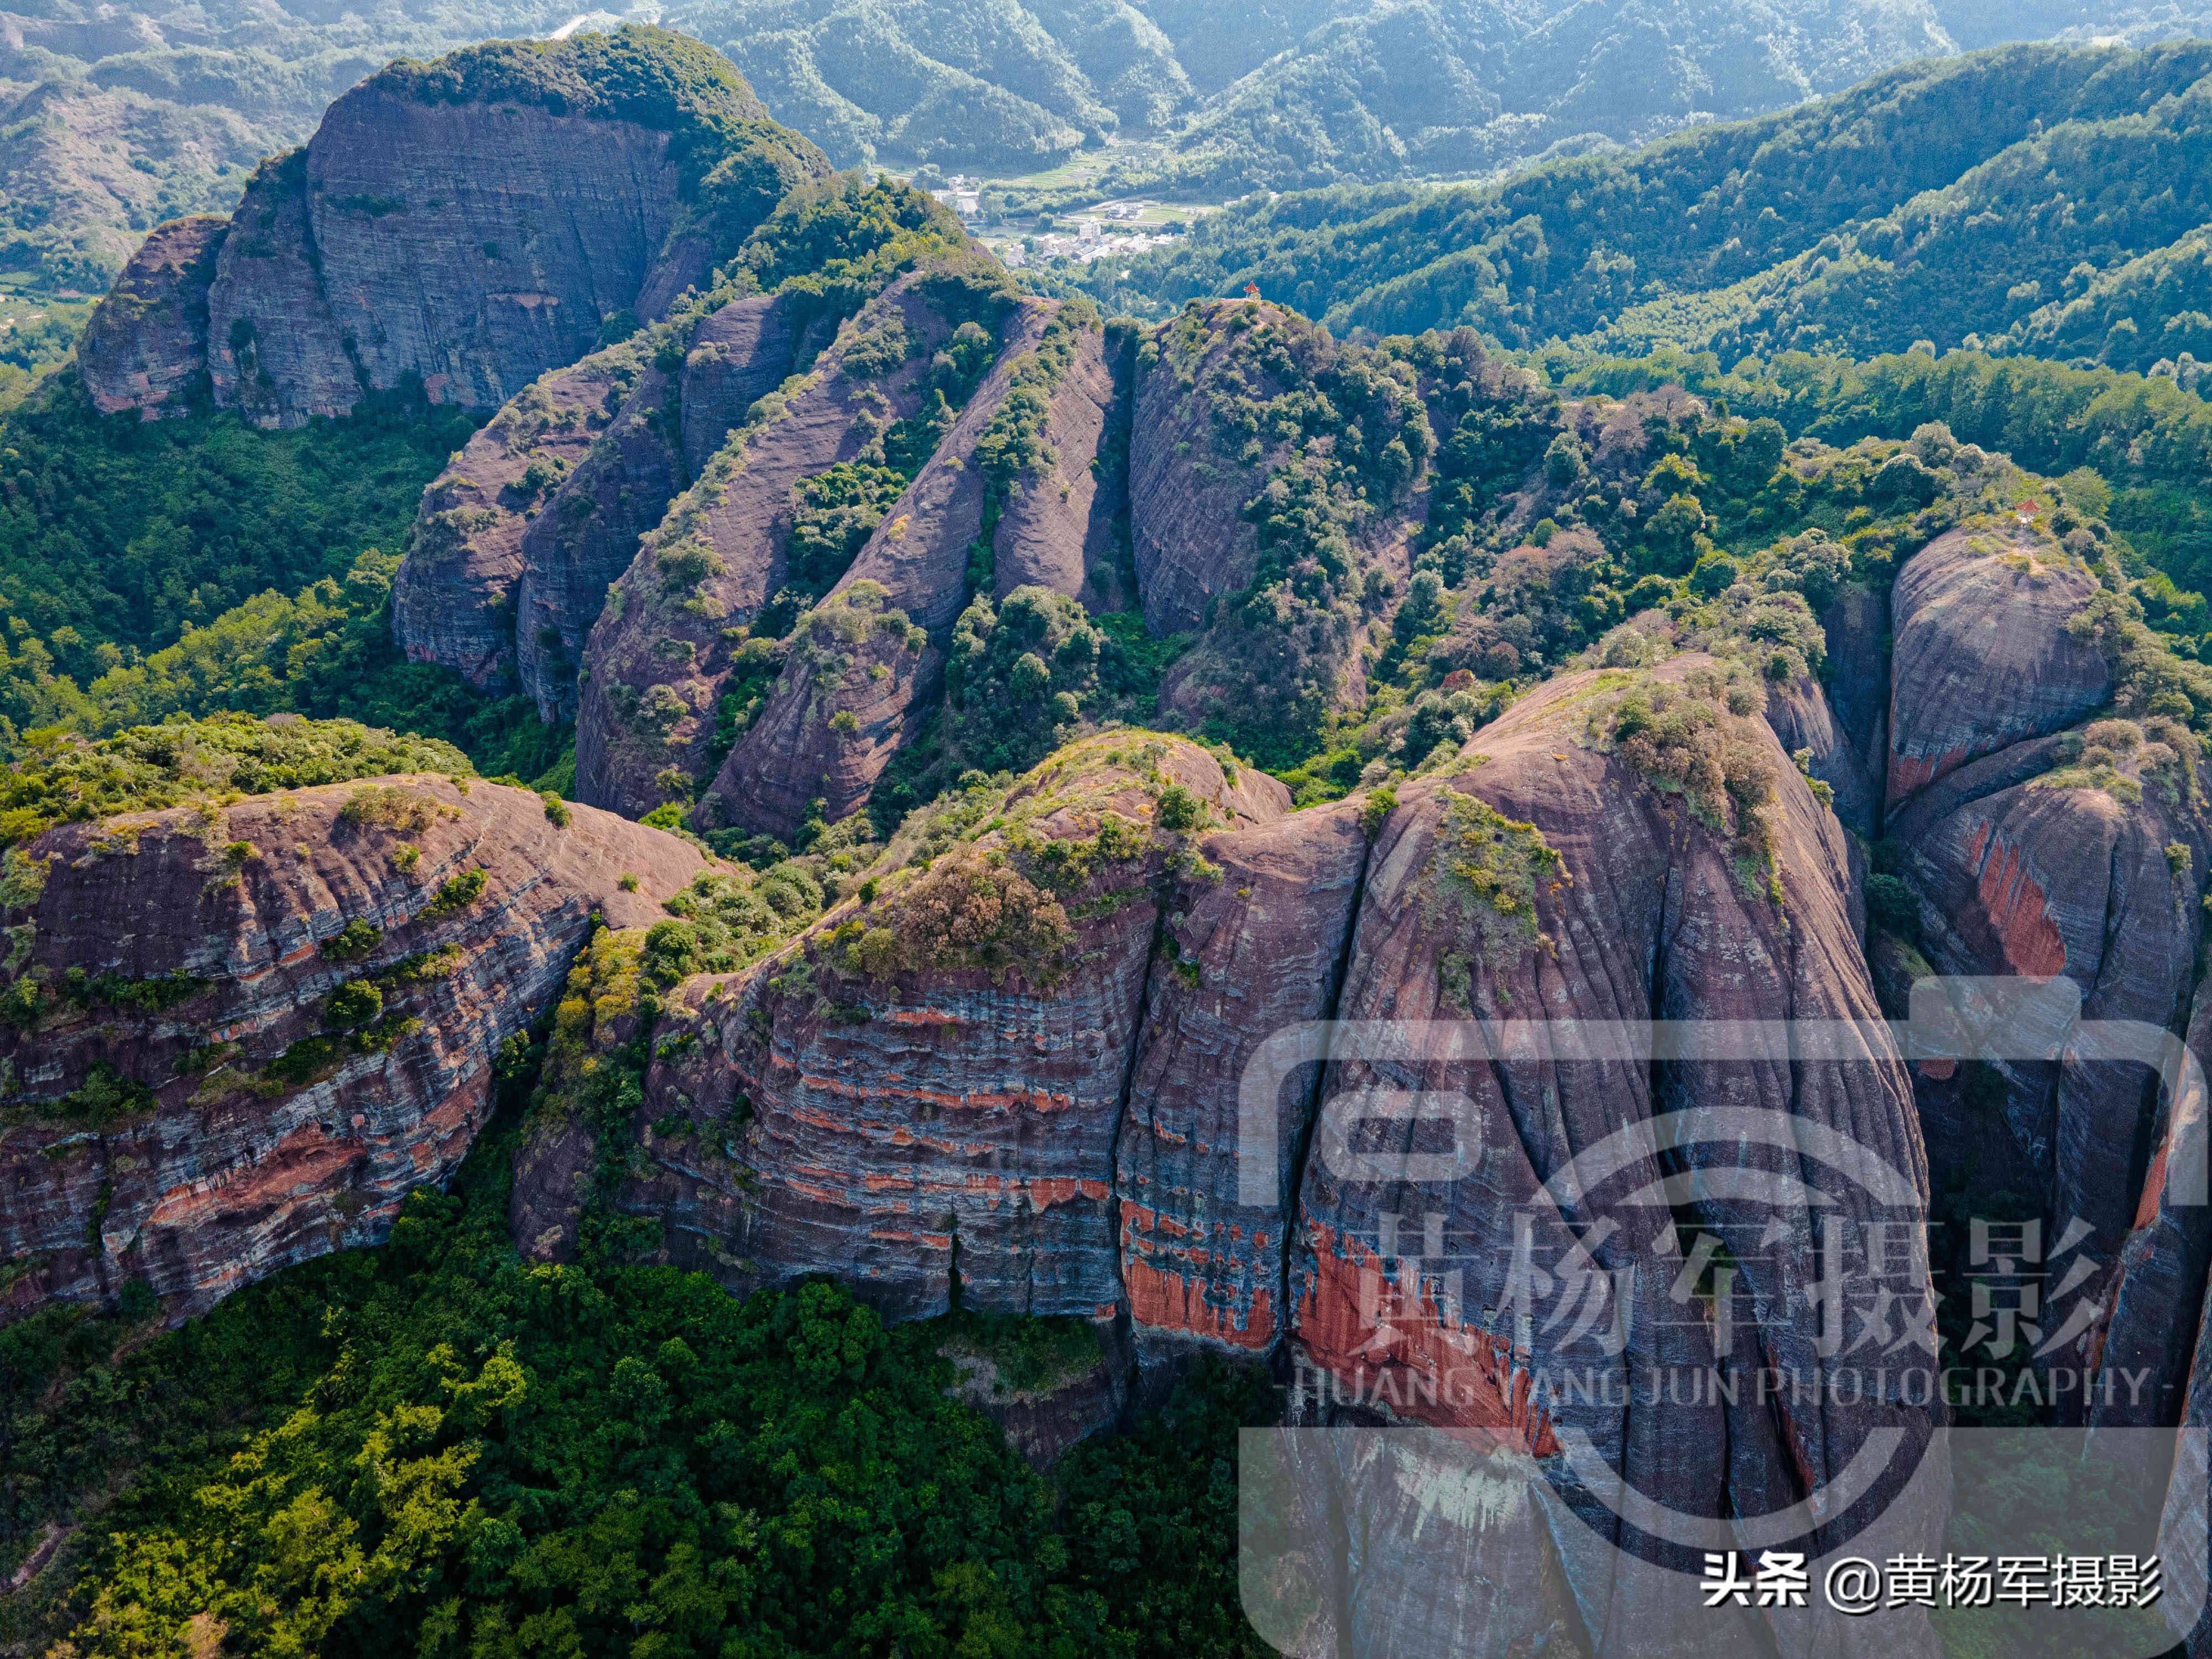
[
  {"x": 440, "y": 1437},
  {"x": 1959, "y": 201}
]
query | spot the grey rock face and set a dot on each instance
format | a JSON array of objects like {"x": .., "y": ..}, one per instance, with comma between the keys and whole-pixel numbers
[
  {"x": 258, "y": 1140},
  {"x": 658, "y": 659},
  {"x": 1983, "y": 657},
  {"x": 145, "y": 346},
  {"x": 1186, "y": 499},
  {"x": 451, "y": 245},
  {"x": 453, "y": 599},
  {"x": 589, "y": 534}
]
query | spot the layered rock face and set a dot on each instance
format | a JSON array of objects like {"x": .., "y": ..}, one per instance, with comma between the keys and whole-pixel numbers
[
  {"x": 686, "y": 499},
  {"x": 933, "y": 1083},
  {"x": 1982, "y": 658},
  {"x": 657, "y": 659},
  {"x": 465, "y": 227},
  {"x": 1007, "y": 1073},
  {"x": 737, "y": 355},
  {"x": 919, "y": 554},
  {"x": 1188, "y": 532},
  {"x": 541, "y": 236},
  {"x": 854, "y": 674},
  {"x": 453, "y": 599},
  {"x": 1017, "y": 1068},
  {"x": 2089, "y": 872},
  {"x": 871, "y": 1077},
  {"x": 518, "y": 541},
  {"x": 913, "y": 567},
  {"x": 1247, "y": 956},
  {"x": 1058, "y": 528},
  {"x": 147, "y": 340},
  {"x": 1547, "y": 877},
  {"x": 2043, "y": 846},
  {"x": 2151, "y": 1313},
  {"x": 589, "y": 533},
  {"x": 263, "y": 1025}
]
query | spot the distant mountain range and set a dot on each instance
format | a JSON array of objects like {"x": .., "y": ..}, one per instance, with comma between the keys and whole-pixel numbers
[
  {"x": 2029, "y": 198},
  {"x": 1284, "y": 94},
  {"x": 118, "y": 116}
]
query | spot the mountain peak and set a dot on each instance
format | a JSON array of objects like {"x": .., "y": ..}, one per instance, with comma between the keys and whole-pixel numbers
[{"x": 450, "y": 233}]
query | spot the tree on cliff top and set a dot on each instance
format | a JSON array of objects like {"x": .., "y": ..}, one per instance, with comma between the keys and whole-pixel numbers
[{"x": 646, "y": 75}]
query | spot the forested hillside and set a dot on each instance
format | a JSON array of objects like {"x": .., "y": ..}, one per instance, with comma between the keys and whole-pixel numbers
[
  {"x": 115, "y": 118},
  {"x": 628, "y": 925},
  {"x": 2031, "y": 198},
  {"x": 1290, "y": 94}
]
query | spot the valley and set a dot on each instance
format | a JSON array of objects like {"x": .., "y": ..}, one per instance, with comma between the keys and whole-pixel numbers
[{"x": 655, "y": 816}]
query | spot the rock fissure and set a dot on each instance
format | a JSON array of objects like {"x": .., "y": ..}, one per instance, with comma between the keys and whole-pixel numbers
[
  {"x": 1163, "y": 940},
  {"x": 1308, "y": 1117}
]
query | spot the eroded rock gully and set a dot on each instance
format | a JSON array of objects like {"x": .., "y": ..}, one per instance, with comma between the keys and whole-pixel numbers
[{"x": 1014, "y": 1068}]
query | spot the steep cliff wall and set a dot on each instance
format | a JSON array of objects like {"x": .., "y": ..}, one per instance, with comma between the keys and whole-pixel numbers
[
  {"x": 934, "y": 1079},
  {"x": 2088, "y": 872},
  {"x": 2043, "y": 845},
  {"x": 274, "y": 352},
  {"x": 1060, "y": 524},
  {"x": 660, "y": 655},
  {"x": 1561, "y": 870},
  {"x": 462, "y": 227},
  {"x": 1187, "y": 486},
  {"x": 146, "y": 343},
  {"x": 737, "y": 355},
  {"x": 1247, "y": 956},
  {"x": 1983, "y": 657},
  {"x": 241, "y": 1034},
  {"x": 588, "y": 535},
  {"x": 913, "y": 567},
  {"x": 453, "y": 599}
]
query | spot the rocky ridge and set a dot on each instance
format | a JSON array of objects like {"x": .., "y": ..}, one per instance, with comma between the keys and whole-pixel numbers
[
  {"x": 1619, "y": 774},
  {"x": 460, "y": 228},
  {"x": 670, "y": 636},
  {"x": 454, "y": 599}
]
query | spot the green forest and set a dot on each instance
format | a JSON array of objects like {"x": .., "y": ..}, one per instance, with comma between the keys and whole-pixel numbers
[
  {"x": 2026, "y": 199},
  {"x": 193, "y": 565},
  {"x": 1965, "y": 290},
  {"x": 506, "y": 1458}
]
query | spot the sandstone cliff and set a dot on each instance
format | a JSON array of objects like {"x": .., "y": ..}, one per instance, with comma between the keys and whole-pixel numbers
[
  {"x": 148, "y": 341},
  {"x": 1246, "y": 956},
  {"x": 2088, "y": 871},
  {"x": 737, "y": 355},
  {"x": 2043, "y": 845},
  {"x": 932, "y": 1082},
  {"x": 659, "y": 656},
  {"x": 461, "y": 227},
  {"x": 1982, "y": 658},
  {"x": 1013, "y": 1065},
  {"x": 1187, "y": 487},
  {"x": 243, "y": 1033},
  {"x": 453, "y": 599},
  {"x": 1003, "y": 1072},
  {"x": 589, "y": 534},
  {"x": 915, "y": 567},
  {"x": 1560, "y": 869},
  {"x": 1060, "y": 526}
]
